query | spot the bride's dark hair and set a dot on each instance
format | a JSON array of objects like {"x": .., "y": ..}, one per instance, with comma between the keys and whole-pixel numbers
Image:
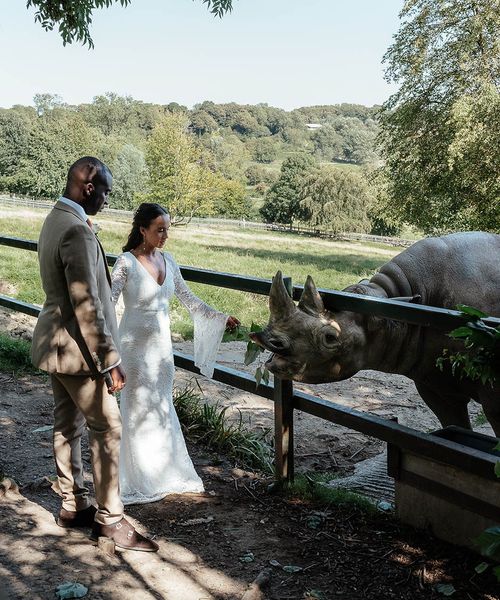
[{"x": 143, "y": 216}]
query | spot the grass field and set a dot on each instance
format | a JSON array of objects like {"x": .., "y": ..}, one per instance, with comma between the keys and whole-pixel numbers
[{"x": 332, "y": 264}]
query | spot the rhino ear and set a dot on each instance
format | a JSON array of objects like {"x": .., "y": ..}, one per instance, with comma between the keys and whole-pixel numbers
[
  {"x": 310, "y": 302},
  {"x": 280, "y": 303}
]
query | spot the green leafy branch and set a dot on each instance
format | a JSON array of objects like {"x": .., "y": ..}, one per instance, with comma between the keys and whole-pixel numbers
[
  {"x": 481, "y": 358},
  {"x": 74, "y": 17},
  {"x": 253, "y": 350}
]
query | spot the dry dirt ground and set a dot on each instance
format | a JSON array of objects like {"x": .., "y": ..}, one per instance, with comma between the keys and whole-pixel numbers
[{"x": 205, "y": 539}]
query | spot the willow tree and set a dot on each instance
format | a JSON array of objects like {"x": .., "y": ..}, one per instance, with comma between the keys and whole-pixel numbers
[{"x": 440, "y": 130}]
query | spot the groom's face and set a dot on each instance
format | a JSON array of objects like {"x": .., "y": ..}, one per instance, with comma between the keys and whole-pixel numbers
[{"x": 98, "y": 193}]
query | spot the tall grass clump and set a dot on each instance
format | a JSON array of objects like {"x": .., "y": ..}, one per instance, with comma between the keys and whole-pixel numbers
[
  {"x": 310, "y": 487},
  {"x": 15, "y": 356},
  {"x": 209, "y": 425}
]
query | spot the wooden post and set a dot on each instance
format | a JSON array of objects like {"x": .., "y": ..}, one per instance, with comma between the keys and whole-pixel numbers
[
  {"x": 283, "y": 421},
  {"x": 283, "y": 429}
]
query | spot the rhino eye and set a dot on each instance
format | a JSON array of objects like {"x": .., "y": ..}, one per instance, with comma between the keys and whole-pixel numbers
[
  {"x": 276, "y": 343},
  {"x": 330, "y": 338}
]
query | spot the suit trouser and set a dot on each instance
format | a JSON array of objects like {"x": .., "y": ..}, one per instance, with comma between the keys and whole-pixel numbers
[{"x": 79, "y": 400}]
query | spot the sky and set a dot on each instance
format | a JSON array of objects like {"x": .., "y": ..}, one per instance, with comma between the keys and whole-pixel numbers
[{"x": 286, "y": 53}]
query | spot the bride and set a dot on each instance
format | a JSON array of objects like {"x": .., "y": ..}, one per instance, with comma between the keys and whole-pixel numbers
[{"x": 154, "y": 460}]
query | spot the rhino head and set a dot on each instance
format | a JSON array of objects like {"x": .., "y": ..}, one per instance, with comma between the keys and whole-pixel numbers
[{"x": 307, "y": 342}]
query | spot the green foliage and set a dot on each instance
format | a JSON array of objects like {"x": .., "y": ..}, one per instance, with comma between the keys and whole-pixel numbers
[
  {"x": 202, "y": 122},
  {"x": 253, "y": 350},
  {"x": 256, "y": 174},
  {"x": 38, "y": 145},
  {"x": 440, "y": 130},
  {"x": 129, "y": 178},
  {"x": 15, "y": 356},
  {"x": 47, "y": 146},
  {"x": 311, "y": 487},
  {"x": 346, "y": 139},
  {"x": 228, "y": 155},
  {"x": 283, "y": 201},
  {"x": 73, "y": 19},
  {"x": 209, "y": 425},
  {"x": 177, "y": 178},
  {"x": 228, "y": 197},
  {"x": 265, "y": 150},
  {"x": 481, "y": 358},
  {"x": 337, "y": 199}
]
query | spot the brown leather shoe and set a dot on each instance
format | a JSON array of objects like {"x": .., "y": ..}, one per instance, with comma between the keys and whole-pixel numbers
[
  {"x": 124, "y": 536},
  {"x": 76, "y": 518}
]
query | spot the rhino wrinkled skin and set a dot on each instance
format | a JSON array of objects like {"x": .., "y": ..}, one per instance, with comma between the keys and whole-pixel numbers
[{"x": 313, "y": 345}]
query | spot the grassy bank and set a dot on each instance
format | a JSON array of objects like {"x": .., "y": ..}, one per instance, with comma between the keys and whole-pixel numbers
[{"x": 255, "y": 253}]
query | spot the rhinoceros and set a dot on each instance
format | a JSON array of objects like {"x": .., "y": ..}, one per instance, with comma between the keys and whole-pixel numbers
[{"x": 313, "y": 345}]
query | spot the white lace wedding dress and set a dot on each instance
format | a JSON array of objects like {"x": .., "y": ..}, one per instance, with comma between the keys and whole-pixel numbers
[{"x": 154, "y": 460}]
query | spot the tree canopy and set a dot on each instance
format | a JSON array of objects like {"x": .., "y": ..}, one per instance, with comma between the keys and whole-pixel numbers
[
  {"x": 73, "y": 18},
  {"x": 440, "y": 130},
  {"x": 283, "y": 200},
  {"x": 203, "y": 161}
]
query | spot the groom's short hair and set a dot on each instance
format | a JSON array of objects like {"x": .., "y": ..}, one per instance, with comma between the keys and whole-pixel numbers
[{"x": 88, "y": 169}]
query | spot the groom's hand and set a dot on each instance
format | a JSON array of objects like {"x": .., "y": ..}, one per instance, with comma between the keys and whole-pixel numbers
[{"x": 118, "y": 379}]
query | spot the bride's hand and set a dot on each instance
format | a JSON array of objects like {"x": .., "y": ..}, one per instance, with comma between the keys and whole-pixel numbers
[{"x": 232, "y": 323}]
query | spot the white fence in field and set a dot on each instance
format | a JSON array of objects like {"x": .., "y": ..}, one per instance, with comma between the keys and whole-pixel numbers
[{"x": 18, "y": 201}]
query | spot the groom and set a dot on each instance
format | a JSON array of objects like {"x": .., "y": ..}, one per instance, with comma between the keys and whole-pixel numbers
[{"x": 74, "y": 341}]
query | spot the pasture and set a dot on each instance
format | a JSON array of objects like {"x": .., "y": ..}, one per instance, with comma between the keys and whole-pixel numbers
[{"x": 255, "y": 253}]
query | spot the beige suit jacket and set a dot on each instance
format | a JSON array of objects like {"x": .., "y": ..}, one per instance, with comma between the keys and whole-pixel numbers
[{"x": 76, "y": 329}]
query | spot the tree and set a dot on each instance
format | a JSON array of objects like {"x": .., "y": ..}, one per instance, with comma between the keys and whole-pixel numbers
[
  {"x": 337, "y": 199},
  {"x": 228, "y": 198},
  {"x": 202, "y": 122},
  {"x": 265, "y": 150},
  {"x": 55, "y": 141},
  {"x": 15, "y": 128},
  {"x": 73, "y": 18},
  {"x": 129, "y": 178},
  {"x": 283, "y": 201},
  {"x": 345, "y": 139},
  {"x": 45, "y": 102},
  {"x": 228, "y": 155},
  {"x": 445, "y": 60},
  {"x": 177, "y": 177}
]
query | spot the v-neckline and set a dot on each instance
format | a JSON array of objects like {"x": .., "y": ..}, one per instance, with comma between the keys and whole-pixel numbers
[{"x": 164, "y": 262}]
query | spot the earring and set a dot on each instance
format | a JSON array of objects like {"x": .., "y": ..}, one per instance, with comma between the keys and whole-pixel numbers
[{"x": 144, "y": 244}]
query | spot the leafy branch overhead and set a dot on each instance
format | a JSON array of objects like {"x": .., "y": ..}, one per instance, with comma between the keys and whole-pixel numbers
[
  {"x": 73, "y": 18},
  {"x": 481, "y": 356}
]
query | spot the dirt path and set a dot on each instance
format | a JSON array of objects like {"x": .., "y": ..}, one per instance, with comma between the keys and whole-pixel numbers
[{"x": 339, "y": 552}]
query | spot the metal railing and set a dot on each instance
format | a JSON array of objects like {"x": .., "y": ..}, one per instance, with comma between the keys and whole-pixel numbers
[{"x": 287, "y": 400}]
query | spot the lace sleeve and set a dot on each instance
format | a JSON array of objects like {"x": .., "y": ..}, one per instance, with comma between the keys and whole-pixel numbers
[
  {"x": 209, "y": 324},
  {"x": 118, "y": 277}
]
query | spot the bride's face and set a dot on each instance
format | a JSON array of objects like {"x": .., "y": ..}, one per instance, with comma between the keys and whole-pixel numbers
[{"x": 156, "y": 233}]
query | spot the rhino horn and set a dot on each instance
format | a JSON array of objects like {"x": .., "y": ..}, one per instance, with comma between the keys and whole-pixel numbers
[
  {"x": 310, "y": 302},
  {"x": 280, "y": 303}
]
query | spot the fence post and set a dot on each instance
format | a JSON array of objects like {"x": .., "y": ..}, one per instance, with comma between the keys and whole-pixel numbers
[{"x": 283, "y": 421}]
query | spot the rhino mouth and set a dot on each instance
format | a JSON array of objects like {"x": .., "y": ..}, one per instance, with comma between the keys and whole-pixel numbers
[{"x": 282, "y": 366}]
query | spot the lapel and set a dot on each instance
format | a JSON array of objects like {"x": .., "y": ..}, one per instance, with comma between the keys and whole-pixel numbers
[
  {"x": 62, "y": 206},
  {"x": 108, "y": 276}
]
